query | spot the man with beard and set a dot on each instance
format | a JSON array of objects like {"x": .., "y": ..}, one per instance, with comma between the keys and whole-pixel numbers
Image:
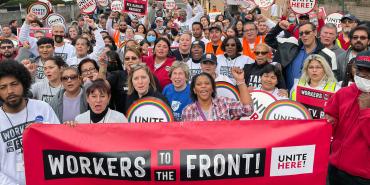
[
  {"x": 197, "y": 29},
  {"x": 17, "y": 112},
  {"x": 117, "y": 35},
  {"x": 62, "y": 49},
  {"x": 348, "y": 22},
  {"x": 7, "y": 50},
  {"x": 359, "y": 39}
]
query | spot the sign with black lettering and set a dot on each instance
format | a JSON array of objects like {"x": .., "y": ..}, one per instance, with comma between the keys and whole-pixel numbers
[
  {"x": 149, "y": 110},
  {"x": 228, "y": 152},
  {"x": 54, "y": 18},
  {"x": 335, "y": 19},
  {"x": 314, "y": 100},
  {"x": 286, "y": 110},
  {"x": 261, "y": 100},
  {"x": 138, "y": 7}
]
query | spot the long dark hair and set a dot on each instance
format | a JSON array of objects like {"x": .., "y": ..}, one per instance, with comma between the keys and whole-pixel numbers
[{"x": 193, "y": 96}]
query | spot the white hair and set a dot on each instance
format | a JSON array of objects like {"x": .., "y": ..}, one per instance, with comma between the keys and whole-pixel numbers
[{"x": 58, "y": 25}]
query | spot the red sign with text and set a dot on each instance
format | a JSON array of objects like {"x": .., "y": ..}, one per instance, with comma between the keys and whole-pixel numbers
[
  {"x": 314, "y": 100},
  {"x": 280, "y": 153},
  {"x": 138, "y": 7}
]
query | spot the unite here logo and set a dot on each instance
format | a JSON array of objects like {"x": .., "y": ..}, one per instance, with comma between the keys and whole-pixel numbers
[{"x": 292, "y": 160}]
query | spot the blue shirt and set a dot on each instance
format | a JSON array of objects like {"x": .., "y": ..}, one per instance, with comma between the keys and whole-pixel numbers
[
  {"x": 294, "y": 69},
  {"x": 178, "y": 100}
]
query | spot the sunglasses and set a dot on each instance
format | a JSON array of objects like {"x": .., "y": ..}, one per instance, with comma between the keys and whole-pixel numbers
[
  {"x": 66, "y": 78},
  {"x": 230, "y": 45},
  {"x": 6, "y": 47},
  {"x": 359, "y": 37},
  {"x": 305, "y": 33},
  {"x": 261, "y": 52}
]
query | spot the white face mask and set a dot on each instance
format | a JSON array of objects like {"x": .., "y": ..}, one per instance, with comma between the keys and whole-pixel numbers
[{"x": 362, "y": 83}]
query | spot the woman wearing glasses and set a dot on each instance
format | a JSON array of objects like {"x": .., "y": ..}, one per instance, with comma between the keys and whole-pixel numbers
[
  {"x": 88, "y": 70},
  {"x": 231, "y": 57},
  {"x": 46, "y": 89},
  {"x": 316, "y": 74},
  {"x": 70, "y": 101},
  {"x": 141, "y": 84},
  {"x": 208, "y": 107},
  {"x": 118, "y": 79}
]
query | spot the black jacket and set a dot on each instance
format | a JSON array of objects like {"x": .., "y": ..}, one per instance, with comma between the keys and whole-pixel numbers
[{"x": 288, "y": 49}]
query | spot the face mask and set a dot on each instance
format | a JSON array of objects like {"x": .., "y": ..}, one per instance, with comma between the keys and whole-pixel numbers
[
  {"x": 291, "y": 19},
  {"x": 58, "y": 38},
  {"x": 362, "y": 83},
  {"x": 150, "y": 38}
]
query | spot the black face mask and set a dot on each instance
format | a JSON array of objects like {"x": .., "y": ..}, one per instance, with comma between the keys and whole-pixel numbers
[{"x": 58, "y": 38}]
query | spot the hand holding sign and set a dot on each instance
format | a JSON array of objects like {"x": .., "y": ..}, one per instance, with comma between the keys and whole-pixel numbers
[{"x": 30, "y": 17}]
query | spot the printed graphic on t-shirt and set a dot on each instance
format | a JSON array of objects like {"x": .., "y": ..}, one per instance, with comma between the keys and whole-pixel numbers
[
  {"x": 194, "y": 72},
  {"x": 64, "y": 56},
  {"x": 184, "y": 29},
  {"x": 13, "y": 137},
  {"x": 40, "y": 72},
  {"x": 255, "y": 81},
  {"x": 226, "y": 71},
  {"x": 47, "y": 98}
]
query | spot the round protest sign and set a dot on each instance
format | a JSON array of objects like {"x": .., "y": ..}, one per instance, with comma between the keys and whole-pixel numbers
[
  {"x": 103, "y": 3},
  {"x": 264, "y": 3},
  {"x": 286, "y": 110},
  {"x": 302, "y": 6},
  {"x": 41, "y": 10},
  {"x": 116, "y": 6},
  {"x": 149, "y": 110},
  {"x": 335, "y": 19},
  {"x": 54, "y": 18},
  {"x": 170, "y": 4},
  {"x": 86, "y": 6},
  {"x": 226, "y": 89},
  {"x": 261, "y": 100},
  {"x": 47, "y": 2}
]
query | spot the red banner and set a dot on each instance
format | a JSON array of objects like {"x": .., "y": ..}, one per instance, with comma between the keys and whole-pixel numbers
[
  {"x": 314, "y": 100},
  {"x": 138, "y": 7},
  {"x": 239, "y": 152}
]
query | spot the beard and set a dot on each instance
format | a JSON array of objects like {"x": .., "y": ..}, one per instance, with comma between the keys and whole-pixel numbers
[
  {"x": 358, "y": 46},
  {"x": 8, "y": 54},
  {"x": 15, "y": 103},
  {"x": 346, "y": 30},
  {"x": 122, "y": 30}
]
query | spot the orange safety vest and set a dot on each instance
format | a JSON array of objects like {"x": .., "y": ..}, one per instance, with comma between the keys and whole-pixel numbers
[
  {"x": 116, "y": 36},
  {"x": 209, "y": 48},
  {"x": 247, "y": 50}
]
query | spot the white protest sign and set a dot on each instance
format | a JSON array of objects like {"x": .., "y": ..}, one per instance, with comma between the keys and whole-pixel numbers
[
  {"x": 264, "y": 3},
  {"x": 54, "y": 18},
  {"x": 302, "y": 6},
  {"x": 261, "y": 100},
  {"x": 86, "y": 6},
  {"x": 335, "y": 19},
  {"x": 103, "y": 3},
  {"x": 226, "y": 89},
  {"x": 170, "y": 4},
  {"x": 212, "y": 16},
  {"x": 150, "y": 110},
  {"x": 116, "y": 6},
  {"x": 47, "y": 3},
  {"x": 41, "y": 10},
  {"x": 286, "y": 110}
]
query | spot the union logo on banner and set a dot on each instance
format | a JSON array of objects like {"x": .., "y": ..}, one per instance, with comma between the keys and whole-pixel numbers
[{"x": 149, "y": 109}]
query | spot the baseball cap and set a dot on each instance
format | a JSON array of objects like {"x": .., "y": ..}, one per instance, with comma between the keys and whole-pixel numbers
[
  {"x": 215, "y": 27},
  {"x": 200, "y": 43},
  {"x": 350, "y": 17},
  {"x": 159, "y": 19},
  {"x": 363, "y": 59},
  {"x": 209, "y": 57},
  {"x": 304, "y": 16}
]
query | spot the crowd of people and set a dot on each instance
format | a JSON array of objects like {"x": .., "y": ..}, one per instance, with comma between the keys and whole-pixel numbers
[{"x": 93, "y": 70}]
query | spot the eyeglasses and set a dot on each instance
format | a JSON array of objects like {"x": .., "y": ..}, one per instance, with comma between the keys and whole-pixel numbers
[
  {"x": 66, "y": 78},
  {"x": 130, "y": 58},
  {"x": 90, "y": 70},
  {"x": 305, "y": 33},
  {"x": 260, "y": 52},
  {"x": 359, "y": 37},
  {"x": 6, "y": 47},
  {"x": 230, "y": 45}
]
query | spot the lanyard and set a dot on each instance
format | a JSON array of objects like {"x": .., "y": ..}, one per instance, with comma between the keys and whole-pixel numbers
[{"x": 201, "y": 111}]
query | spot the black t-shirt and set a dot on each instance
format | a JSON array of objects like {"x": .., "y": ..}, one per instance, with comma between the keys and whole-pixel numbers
[
  {"x": 253, "y": 73},
  {"x": 181, "y": 57}
]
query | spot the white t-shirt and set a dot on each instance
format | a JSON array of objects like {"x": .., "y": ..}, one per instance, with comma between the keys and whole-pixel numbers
[
  {"x": 66, "y": 51},
  {"x": 43, "y": 91},
  {"x": 224, "y": 64},
  {"x": 194, "y": 68},
  {"x": 111, "y": 116},
  {"x": 274, "y": 93},
  {"x": 11, "y": 155}
]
